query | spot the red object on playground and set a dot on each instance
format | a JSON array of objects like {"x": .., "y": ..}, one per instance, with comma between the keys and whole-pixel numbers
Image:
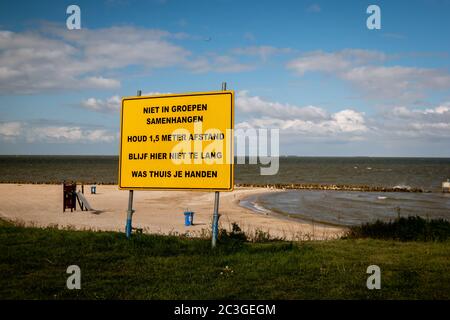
[{"x": 69, "y": 196}]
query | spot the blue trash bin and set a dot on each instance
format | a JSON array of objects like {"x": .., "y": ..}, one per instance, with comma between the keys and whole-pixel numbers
[
  {"x": 93, "y": 189},
  {"x": 187, "y": 218}
]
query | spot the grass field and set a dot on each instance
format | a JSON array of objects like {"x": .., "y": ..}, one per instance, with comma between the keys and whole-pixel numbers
[{"x": 33, "y": 265}]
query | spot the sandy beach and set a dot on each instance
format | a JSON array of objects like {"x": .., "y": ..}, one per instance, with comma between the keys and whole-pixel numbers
[{"x": 158, "y": 212}]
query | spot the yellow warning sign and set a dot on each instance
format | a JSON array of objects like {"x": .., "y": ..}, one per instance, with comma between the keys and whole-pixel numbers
[{"x": 177, "y": 141}]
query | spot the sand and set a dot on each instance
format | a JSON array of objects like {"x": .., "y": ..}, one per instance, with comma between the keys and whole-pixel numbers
[{"x": 158, "y": 212}]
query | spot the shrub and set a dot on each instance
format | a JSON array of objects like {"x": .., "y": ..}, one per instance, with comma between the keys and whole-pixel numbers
[
  {"x": 262, "y": 236},
  {"x": 235, "y": 234},
  {"x": 403, "y": 229}
]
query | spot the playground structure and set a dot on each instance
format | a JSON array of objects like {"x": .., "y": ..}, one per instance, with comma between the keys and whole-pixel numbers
[{"x": 71, "y": 196}]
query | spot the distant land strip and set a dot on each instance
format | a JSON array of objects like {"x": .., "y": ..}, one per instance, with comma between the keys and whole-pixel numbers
[
  {"x": 281, "y": 186},
  {"x": 337, "y": 187}
]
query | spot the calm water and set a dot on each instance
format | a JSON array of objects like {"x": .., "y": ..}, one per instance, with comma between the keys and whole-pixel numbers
[
  {"x": 55, "y": 169},
  {"x": 351, "y": 208},
  {"x": 424, "y": 173},
  {"x": 337, "y": 207}
]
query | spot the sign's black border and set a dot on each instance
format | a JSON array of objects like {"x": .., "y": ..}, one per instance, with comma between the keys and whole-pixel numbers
[{"x": 230, "y": 188}]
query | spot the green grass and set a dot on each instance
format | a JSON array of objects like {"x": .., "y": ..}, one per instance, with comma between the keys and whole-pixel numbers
[{"x": 33, "y": 265}]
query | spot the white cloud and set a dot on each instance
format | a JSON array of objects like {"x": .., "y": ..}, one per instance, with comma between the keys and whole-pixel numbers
[
  {"x": 397, "y": 83},
  {"x": 259, "y": 107},
  {"x": 101, "y": 83},
  {"x": 117, "y": 47},
  {"x": 55, "y": 58},
  {"x": 10, "y": 130},
  {"x": 218, "y": 63},
  {"x": 111, "y": 104},
  {"x": 72, "y": 134},
  {"x": 55, "y": 134},
  {"x": 349, "y": 121},
  {"x": 334, "y": 62},
  {"x": 344, "y": 123},
  {"x": 263, "y": 52},
  {"x": 309, "y": 121},
  {"x": 154, "y": 93},
  {"x": 36, "y": 131},
  {"x": 99, "y": 135},
  {"x": 312, "y": 120},
  {"x": 402, "y": 122},
  {"x": 441, "y": 112},
  {"x": 362, "y": 69},
  {"x": 304, "y": 123},
  {"x": 297, "y": 124}
]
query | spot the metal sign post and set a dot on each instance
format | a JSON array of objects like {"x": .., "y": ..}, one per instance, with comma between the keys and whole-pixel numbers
[
  {"x": 215, "y": 224},
  {"x": 129, "y": 225}
]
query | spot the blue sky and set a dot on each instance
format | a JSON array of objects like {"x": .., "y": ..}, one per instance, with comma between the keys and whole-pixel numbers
[{"x": 309, "y": 68}]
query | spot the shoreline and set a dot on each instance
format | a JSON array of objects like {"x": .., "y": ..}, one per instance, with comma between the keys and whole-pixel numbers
[
  {"x": 251, "y": 203},
  {"x": 159, "y": 212}
]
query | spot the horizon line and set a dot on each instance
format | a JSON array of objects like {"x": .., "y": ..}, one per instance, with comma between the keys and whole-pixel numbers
[{"x": 280, "y": 156}]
